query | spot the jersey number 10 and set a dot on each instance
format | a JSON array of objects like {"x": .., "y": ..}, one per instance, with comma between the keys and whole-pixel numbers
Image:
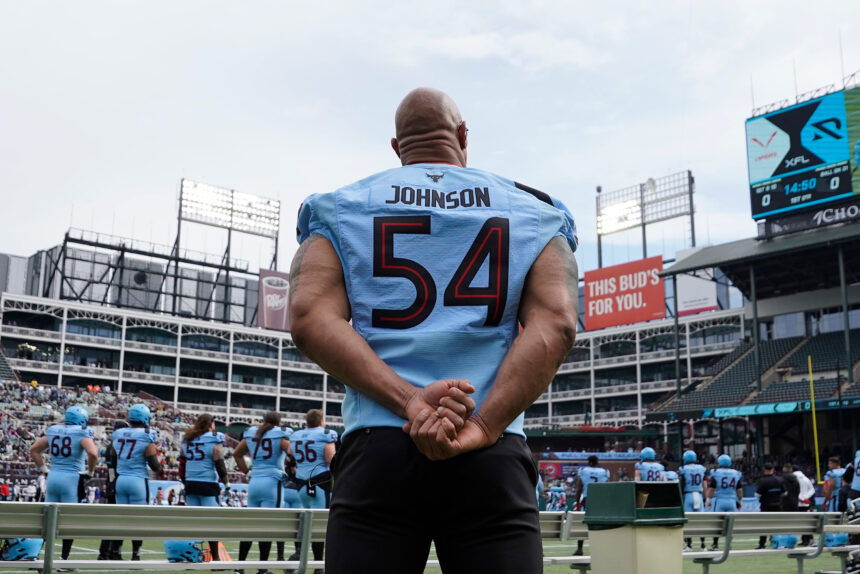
[{"x": 491, "y": 243}]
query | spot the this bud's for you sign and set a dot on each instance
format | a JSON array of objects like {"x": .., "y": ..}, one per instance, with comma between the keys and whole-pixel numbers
[{"x": 626, "y": 293}]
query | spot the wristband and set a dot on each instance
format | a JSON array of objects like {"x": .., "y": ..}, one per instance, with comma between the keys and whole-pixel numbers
[{"x": 43, "y": 469}]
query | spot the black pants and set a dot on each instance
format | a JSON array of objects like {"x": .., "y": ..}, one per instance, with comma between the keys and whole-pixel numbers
[{"x": 389, "y": 502}]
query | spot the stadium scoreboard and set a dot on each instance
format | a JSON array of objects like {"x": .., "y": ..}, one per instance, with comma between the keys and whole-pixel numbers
[{"x": 804, "y": 155}]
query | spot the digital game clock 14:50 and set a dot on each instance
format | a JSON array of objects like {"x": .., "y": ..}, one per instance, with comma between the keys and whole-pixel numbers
[{"x": 800, "y": 156}]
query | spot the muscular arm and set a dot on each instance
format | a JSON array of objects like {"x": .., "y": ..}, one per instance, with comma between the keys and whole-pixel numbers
[
  {"x": 92, "y": 454},
  {"x": 151, "y": 454},
  {"x": 328, "y": 452},
  {"x": 319, "y": 318},
  {"x": 548, "y": 317},
  {"x": 36, "y": 451},
  {"x": 239, "y": 456}
]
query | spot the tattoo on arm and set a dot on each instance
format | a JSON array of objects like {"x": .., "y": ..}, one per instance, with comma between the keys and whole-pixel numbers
[{"x": 296, "y": 267}]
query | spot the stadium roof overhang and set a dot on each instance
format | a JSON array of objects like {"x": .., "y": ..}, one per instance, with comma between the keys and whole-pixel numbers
[{"x": 783, "y": 265}]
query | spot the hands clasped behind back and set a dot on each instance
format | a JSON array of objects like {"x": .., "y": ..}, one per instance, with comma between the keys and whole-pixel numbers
[{"x": 439, "y": 419}]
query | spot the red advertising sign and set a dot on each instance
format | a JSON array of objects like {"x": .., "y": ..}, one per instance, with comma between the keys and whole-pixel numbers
[
  {"x": 274, "y": 294},
  {"x": 623, "y": 294}
]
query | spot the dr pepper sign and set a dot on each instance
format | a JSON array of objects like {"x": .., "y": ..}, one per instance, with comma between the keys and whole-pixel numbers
[{"x": 626, "y": 293}]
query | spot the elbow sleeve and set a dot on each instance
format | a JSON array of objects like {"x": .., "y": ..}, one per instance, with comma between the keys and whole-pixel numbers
[
  {"x": 154, "y": 463},
  {"x": 221, "y": 469}
]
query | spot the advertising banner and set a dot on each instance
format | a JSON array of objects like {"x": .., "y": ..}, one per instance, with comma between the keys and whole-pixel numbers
[
  {"x": 623, "y": 294},
  {"x": 274, "y": 293},
  {"x": 696, "y": 292}
]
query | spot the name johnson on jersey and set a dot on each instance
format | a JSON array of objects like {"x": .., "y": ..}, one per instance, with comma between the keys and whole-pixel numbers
[{"x": 469, "y": 197}]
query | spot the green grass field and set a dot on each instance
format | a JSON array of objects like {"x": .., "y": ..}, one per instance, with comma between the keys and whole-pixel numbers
[{"x": 88, "y": 550}]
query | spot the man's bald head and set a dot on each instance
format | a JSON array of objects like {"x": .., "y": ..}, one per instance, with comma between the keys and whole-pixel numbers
[{"x": 429, "y": 129}]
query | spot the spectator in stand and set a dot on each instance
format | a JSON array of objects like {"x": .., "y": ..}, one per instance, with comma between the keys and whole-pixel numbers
[{"x": 770, "y": 491}]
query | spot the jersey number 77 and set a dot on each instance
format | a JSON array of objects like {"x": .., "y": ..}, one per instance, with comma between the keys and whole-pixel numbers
[{"x": 491, "y": 243}]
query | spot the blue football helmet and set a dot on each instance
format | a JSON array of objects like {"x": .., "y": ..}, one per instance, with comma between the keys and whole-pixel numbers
[
  {"x": 139, "y": 413},
  {"x": 689, "y": 456},
  {"x": 648, "y": 453},
  {"x": 184, "y": 550},
  {"x": 21, "y": 548},
  {"x": 724, "y": 460},
  {"x": 77, "y": 416}
]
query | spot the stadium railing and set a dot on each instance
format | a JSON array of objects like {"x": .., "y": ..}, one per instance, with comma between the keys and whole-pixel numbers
[
  {"x": 54, "y": 522},
  {"x": 729, "y": 525}
]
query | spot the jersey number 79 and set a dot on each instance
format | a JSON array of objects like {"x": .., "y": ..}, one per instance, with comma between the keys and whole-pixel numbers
[{"x": 492, "y": 243}]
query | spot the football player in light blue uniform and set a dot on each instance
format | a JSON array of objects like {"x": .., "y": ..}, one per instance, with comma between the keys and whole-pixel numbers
[
  {"x": 70, "y": 445},
  {"x": 268, "y": 446},
  {"x": 557, "y": 500},
  {"x": 135, "y": 449},
  {"x": 833, "y": 483},
  {"x": 314, "y": 448},
  {"x": 585, "y": 476},
  {"x": 692, "y": 478},
  {"x": 414, "y": 283},
  {"x": 539, "y": 488},
  {"x": 202, "y": 468},
  {"x": 201, "y": 463},
  {"x": 725, "y": 487},
  {"x": 646, "y": 469},
  {"x": 671, "y": 475}
]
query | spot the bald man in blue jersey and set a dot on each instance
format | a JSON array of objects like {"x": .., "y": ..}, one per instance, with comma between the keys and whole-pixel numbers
[{"x": 410, "y": 286}]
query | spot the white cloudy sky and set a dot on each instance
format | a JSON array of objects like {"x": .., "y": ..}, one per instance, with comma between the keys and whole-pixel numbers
[{"x": 105, "y": 105}]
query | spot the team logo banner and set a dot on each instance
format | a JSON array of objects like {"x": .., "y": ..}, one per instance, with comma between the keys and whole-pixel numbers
[
  {"x": 623, "y": 294},
  {"x": 274, "y": 294}
]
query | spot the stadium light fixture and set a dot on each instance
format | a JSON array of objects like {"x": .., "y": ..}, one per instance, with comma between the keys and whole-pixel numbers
[{"x": 219, "y": 207}]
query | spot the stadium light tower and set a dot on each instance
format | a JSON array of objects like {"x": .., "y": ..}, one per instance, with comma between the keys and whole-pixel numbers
[
  {"x": 230, "y": 210},
  {"x": 648, "y": 202}
]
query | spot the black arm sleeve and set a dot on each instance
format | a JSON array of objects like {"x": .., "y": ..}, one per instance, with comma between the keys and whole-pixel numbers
[
  {"x": 154, "y": 463},
  {"x": 182, "y": 468},
  {"x": 221, "y": 469}
]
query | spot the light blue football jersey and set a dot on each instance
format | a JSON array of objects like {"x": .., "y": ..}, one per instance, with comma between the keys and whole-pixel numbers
[
  {"x": 434, "y": 258},
  {"x": 557, "y": 499},
  {"x": 308, "y": 447},
  {"x": 266, "y": 453},
  {"x": 199, "y": 464},
  {"x": 834, "y": 475},
  {"x": 726, "y": 481},
  {"x": 671, "y": 475},
  {"x": 651, "y": 471},
  {"x": 64, "y": 445},
  {"x": 694, "y": 477},
  {"x": 589, "y": 474},
  {"x": 130, "y": 446},
  {"x": 855, "y": 483}
]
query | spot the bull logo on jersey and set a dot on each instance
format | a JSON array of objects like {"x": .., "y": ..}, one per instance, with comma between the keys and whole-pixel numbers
[{"x": 435, "y": 176}]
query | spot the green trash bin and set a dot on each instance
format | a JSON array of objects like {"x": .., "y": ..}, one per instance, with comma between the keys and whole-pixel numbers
[{"x": 635, "y": 527}]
